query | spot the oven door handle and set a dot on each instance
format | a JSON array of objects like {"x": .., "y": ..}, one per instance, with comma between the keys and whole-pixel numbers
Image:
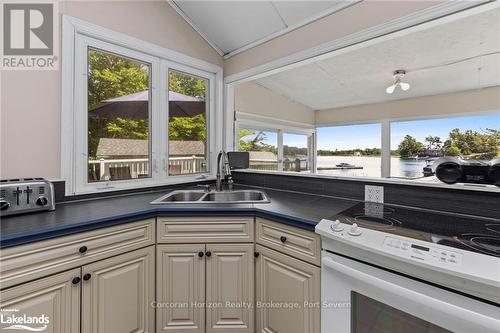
[{"x": 480, "y": 322}]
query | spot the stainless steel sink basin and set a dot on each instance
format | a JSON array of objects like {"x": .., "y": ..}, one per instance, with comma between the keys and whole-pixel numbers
[
  {"x": 235, "y": 196},
  {"x": 183, "y": 196},
  {"x": 201, "y": 197}
]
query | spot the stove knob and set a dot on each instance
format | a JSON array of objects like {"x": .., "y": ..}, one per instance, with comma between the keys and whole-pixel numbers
[
  {"x": 336, "y": 226},
  {"x": 354, "y": 230},
  {"x": 4, "y": 205},
  {"x": 42, "y": 201}
]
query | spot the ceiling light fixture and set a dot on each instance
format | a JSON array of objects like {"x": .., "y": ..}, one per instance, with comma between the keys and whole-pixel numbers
[{"x": 398, "y": 77}]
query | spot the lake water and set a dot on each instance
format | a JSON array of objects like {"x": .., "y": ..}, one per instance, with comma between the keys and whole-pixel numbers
[{"x": 371, "y": 166}]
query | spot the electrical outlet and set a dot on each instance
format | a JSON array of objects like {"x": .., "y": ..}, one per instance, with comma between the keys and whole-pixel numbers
[{"x": 374, "y": 193}]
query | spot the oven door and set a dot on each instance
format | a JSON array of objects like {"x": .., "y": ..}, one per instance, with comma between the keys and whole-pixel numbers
[{"x": 359, "y": 298}]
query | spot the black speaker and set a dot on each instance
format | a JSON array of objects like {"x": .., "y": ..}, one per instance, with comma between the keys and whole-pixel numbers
[
  {"x": 449, "y": 172},
  {"x": 494, "y": 174}
]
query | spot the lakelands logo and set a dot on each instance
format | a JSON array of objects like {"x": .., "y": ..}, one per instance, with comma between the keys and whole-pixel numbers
[
  {"x": 28, "y": 36},
  {"x": 14, "y": 321}
]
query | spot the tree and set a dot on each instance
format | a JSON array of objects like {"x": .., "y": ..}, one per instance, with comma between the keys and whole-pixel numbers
[
  {"x": 250, "y": 140},
  {"x": 409, "y": 147},
  {"x": 433, "y": 142},
  {"x": 111, "y": 76}
]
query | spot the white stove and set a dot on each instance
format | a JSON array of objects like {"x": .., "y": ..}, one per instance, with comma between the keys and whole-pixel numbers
[{"x": 396, "y": 278}]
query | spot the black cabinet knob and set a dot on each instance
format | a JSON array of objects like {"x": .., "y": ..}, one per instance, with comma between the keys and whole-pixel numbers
[
  {"x": 76, "y": 280},
  {"x": 256, "y": 254},
  {"x": 87, "y": 276},
  {"x": 283, "y": 239},
  {"x": 82, "y": 249},
  {"x": 200, "y": 254},
  {"x": 208, "y": 253}
]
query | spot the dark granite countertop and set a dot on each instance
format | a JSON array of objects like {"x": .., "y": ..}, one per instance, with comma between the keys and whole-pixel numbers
[{"x": 298, "y": 209}]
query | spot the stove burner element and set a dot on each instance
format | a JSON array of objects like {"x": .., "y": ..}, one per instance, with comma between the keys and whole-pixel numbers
[
  {"x": 376, "y": 223},
  {"x": 493, "y": 227},
  {"x": 484, "y": 243}
]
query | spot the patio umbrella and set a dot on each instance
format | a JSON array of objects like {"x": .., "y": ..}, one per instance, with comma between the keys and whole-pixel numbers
[{"x": 135, "y": 106}]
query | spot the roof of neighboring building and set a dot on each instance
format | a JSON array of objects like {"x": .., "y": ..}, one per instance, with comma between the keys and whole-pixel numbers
[
  {"x": 262, "y": 155},
  {"x": 137, "y": 147}
]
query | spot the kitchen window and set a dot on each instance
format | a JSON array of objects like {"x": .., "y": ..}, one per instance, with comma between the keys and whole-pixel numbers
[
  {"x": 350, "y": 151},
  {"x": 416, "y": 144},
  {"x": 275, "y": 148},
  {"x": 262, "y": 147},
  {"x": 141, "y": 117}
]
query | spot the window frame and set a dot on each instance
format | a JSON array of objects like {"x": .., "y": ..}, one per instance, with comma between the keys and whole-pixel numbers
[
  {"x": 77, "y": 36},
  {"x": 280, "y": 130}
]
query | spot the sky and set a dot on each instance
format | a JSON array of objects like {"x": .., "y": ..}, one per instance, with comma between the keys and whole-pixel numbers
[{"x": 368, "y": 136}]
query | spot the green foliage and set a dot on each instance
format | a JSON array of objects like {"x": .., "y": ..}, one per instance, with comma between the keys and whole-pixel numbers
[
  {"x": 111, "y": 76},
  {"x": 188, "y": 85},
  {"x": 187, "y": 129},
  {"x": 350, "y": 152},
  {"x": 250, "y": 140},
  {"x": 473, "y": 144},
  {"x": 433, "y": 142},
  {"x": 409, "y": 147}
]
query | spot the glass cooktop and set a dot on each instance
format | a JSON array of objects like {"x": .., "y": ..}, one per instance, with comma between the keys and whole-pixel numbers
[{"x": 472, "y": 234}]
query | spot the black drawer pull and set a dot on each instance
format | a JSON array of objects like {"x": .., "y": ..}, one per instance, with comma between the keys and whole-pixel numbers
[
  {"x": 208, "y": 253},
  {"x": 87, "y": 276},
  {"x": 76, "y": 280},
  {"x": 82, "y": 249},
  {"x": 283, "y": 239},
  {"x": 256, "y": 254},
  {"x": 200, "y": 254}
]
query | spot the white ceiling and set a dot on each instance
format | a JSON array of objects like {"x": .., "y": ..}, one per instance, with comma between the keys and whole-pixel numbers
[
  {"x": 361, "y": 76},
  {"x": 231, "y": 25}
]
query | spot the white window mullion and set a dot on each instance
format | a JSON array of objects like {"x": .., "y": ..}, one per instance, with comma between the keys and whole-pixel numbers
[
  {"x": 162, "y": 119},
  {"x": 385, "y": 171},
  {"x": 280, "y": 150}
]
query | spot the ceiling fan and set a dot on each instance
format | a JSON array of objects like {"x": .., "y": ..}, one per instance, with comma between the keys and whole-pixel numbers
[{"x": 398, "y": 77}]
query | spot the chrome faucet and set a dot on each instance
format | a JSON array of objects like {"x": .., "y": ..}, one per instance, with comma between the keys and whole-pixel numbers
[{"x": 223, "y": 172}]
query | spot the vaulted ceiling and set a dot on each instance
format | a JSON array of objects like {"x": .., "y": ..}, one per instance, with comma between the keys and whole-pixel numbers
[{"x": 232, "y": 25}]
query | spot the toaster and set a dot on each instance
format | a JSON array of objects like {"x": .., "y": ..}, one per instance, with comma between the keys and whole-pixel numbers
[{"x": 26, "y": 195}]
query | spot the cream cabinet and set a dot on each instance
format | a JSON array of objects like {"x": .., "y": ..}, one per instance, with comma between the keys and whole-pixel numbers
[
  {"x": 287, "y": 294},
  {"x": 230, "y": 288},
  {"x": 205, "y": 288},
  {"x": 117, "y": 293},
  {"x": 180, "y": 288},
  {"x": 56, "y": 298}
]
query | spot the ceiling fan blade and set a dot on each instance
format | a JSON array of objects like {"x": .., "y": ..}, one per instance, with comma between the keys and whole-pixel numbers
[
  {"x": 404, "y": 86},
  {"x": 390, "y": 89}
]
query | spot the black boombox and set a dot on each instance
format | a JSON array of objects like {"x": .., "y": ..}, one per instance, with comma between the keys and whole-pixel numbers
[{"x": 451, "y": 170}]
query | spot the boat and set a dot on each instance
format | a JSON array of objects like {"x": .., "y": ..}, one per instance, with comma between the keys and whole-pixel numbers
[{"x": 345, "y": 165}]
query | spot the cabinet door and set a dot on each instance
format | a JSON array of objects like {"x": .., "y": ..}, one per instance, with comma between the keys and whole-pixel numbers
[
  {"x": 180, "y": 288},
  {"x": 282, "y": 280},
  {"x": 118, "y": 295},
  {"x": 54, "y": 297},
  {"x": 230, "y": 288}
]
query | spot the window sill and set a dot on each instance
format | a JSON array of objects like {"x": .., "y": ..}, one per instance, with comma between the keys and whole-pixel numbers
[{"x": 466, "y": 187}]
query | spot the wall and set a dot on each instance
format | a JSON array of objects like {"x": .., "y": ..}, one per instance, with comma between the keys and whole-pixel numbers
[
  {"x": 30, "y": 100},
  {"x": 345, "y": 22},
  {"x": 479, "y": 100},
  {"x": 252, "y": 98}
]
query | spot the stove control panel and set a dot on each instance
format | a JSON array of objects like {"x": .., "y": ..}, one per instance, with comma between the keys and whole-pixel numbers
[{"x": 422, "y": 253}]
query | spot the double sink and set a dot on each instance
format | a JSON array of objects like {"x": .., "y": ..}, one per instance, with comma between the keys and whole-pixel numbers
[{"x": 204, "y": 197}]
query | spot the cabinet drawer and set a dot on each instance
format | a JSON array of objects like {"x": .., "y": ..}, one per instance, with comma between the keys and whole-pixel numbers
[
  {"x": 301, "y": 244},
  {"x": 27, "y": 262},
  {"x": 205, "y": 229}
]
